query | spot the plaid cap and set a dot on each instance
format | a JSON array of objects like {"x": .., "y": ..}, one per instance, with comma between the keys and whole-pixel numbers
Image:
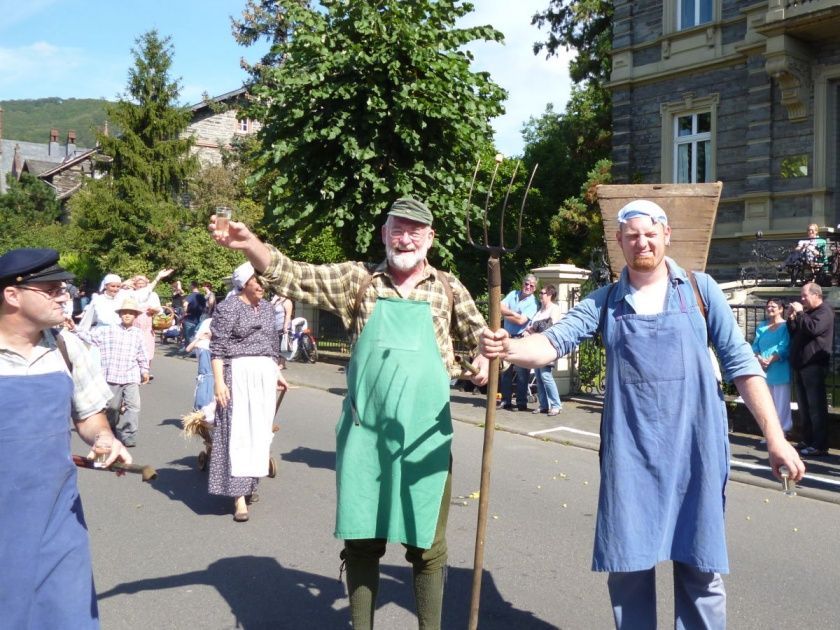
[
  {"x": 642, "y": 208},
  {"x": 28, "y": 264},
  {"x": 408, "y": 208}
]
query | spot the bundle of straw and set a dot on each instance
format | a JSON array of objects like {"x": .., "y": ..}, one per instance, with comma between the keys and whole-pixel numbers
[{"x": 194, "y": 423}]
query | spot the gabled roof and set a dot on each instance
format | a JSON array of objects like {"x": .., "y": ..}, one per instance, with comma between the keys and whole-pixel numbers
[{"x": 227, "y": 96}]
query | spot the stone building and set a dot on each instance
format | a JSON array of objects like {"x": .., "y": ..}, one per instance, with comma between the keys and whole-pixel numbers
[
  {"x": 741, "y": 92},
  {"x": 216, "y": 125},
  {"x": 62, "y": 166}
]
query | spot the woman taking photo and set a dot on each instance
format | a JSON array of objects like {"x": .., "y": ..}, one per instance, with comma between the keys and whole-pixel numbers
[
  {"x": 549, "y": 314},
  {"x": 771, "y": 346},
  {"x": 245, "y": 351}
]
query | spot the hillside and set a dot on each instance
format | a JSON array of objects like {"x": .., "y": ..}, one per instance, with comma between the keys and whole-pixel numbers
[{"x": 30, "y": 120}]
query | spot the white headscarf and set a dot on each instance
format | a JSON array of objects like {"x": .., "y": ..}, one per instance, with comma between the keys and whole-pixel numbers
[
  {"x": 241, "y": 275},
  {"x": 109, "y": 279}
]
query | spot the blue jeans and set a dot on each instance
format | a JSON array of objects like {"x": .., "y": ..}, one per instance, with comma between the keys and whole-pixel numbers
[
  {"x": 547, "y": 392},
  {"x": 699, "y": 599},
  {"x": 522, "y": 375},
  {"x": 189, "y": 331}
]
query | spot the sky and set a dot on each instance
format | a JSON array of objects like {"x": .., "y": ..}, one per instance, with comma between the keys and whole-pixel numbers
[{"x": 73, "y": 49}]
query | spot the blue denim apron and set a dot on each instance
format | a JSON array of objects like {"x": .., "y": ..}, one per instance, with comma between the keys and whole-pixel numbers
[
  {"x": 204, "y": 382},
  {"x": 46, "y": 579},
  {"x": 665, "y": 452},
  {"x": 394, "y": 437}
]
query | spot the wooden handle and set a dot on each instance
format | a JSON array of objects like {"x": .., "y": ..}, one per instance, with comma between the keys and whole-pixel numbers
[{"x": 495, "y": 316}]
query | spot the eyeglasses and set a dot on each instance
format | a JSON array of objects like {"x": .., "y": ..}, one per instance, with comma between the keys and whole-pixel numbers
[
  {"x": 528, "y": 284},
  {"x": 543, "y": 293},
  {"x": 414, "y": 234},
  {"x": 52, "y": 294}
]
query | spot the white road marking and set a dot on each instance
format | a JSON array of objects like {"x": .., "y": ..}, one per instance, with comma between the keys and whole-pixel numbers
[
  {"x": 569, "y": 429},
  {"x": 811, "y": 477}
]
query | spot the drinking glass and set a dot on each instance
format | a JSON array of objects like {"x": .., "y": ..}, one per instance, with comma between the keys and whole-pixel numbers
[
  {"x": 788, "y": 485},
  {"x": 102, "y": 444},
  {"x": 223, "y": 217}
]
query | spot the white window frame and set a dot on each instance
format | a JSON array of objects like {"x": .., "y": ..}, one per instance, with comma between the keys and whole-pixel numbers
[
  {"x": 244, "y": 125},
  {"x": 693, "y": 140},
  {"x": 670, "y": 112},
  {"x": 697, "y": 22}
]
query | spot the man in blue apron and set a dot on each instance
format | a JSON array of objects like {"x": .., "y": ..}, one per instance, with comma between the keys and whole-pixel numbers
[
  {"x": 393, "y": 439},
  {"x": 45, "y": 378},
  {"x": 664, "y": 446}
]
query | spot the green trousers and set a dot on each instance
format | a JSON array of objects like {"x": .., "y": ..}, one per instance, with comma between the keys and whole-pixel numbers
[{"x": 361, "y": 559}]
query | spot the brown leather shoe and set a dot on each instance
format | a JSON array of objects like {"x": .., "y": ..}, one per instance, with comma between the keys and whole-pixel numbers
[{"x": 241, "y": 517}]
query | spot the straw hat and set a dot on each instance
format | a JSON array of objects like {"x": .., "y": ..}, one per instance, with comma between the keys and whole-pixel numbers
[{"x": 129, "y": 304}]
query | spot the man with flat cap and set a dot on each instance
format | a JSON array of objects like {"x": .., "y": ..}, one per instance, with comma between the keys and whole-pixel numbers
[
  {"x": 664, "y": 443},
  {"x": 393, "y": 461},
  {"x": 45, "y": 379}
]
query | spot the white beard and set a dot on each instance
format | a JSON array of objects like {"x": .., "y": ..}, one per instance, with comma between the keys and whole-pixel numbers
[{"x": 405, "y": 260}]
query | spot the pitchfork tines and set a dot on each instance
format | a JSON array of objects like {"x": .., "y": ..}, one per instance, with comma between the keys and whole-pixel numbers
[{"x": 496, "y": 250}]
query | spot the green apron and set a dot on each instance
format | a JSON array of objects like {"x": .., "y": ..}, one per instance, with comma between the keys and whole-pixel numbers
[{"x": 394, "y": 435}]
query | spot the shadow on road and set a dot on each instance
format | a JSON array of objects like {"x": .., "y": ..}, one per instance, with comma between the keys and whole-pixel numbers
[
  {"x": 313, "y": 458},
  {"x": 189, "y": 486},
  {"x": 262, "y": 593}
]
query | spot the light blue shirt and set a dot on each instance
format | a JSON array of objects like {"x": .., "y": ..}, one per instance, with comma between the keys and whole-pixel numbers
[
  {"x": 735, "y": 354},
  {"x": 526, "y": 306}
]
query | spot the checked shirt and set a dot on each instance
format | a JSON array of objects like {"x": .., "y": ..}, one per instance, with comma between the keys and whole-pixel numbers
[{"x": 335, "y": 287}]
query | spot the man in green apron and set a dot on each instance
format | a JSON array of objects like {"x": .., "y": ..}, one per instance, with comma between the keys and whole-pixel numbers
[
  {"x": 393, "y": 439},
  {"x": 664, "y": 443},
  {"x": 45, "y": 377}
]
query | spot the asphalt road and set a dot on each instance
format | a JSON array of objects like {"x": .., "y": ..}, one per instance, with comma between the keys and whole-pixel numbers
[{"x": 168, "y": 555}]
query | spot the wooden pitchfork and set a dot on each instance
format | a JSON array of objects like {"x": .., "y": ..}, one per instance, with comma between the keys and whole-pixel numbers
[{"x": 494, "y": 282}]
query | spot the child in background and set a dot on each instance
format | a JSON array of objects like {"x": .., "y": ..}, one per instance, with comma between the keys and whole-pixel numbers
[
  {"x": 125, "y": 365},
  {"x": 205, "y": 400}
]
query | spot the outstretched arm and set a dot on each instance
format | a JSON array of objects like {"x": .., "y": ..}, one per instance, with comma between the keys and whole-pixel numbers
[{"x": 239, "y": 237}]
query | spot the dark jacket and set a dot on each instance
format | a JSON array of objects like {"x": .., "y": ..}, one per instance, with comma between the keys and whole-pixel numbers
[{"x": 811, "y": 336}]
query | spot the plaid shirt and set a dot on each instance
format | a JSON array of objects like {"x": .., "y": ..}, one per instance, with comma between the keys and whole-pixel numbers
[
  {"x": 123, "y": 352},
  {"x": 90, "y": 392},
  {"x": 335, "y": 288}
]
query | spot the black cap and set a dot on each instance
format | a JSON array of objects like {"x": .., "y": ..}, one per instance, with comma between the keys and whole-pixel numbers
[{"x": 22, "y": 266}]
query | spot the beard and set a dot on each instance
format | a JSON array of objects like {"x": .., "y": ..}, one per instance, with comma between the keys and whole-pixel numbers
[
  {"x": 405, "y": 260},
  {"x": 644, "y": 263}
]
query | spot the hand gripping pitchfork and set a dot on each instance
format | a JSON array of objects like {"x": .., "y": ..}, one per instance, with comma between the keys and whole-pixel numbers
[{"x": 494, "y": 282}]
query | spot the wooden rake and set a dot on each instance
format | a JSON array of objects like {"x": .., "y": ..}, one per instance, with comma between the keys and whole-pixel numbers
[{"x": 494, "y": 283}]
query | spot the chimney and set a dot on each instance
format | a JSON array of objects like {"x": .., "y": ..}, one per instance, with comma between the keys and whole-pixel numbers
[
  {"x": 17, "y": 163},
  {"x": 71, "y": 143},
  {"x": 53, "y": 148}
]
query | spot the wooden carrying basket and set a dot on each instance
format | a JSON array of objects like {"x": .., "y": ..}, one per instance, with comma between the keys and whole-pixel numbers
[{"x": 164, "y": 319}]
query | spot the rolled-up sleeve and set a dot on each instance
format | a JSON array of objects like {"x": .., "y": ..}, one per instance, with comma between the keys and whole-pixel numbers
[{"x": 579, "y": 323}]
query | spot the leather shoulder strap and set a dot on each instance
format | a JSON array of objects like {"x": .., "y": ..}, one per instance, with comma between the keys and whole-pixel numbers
[
  {"x": 697, "y": 295},
  {"x": 62, "y": 348}
]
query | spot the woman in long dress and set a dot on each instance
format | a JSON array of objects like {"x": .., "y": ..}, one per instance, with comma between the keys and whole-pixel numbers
[
  {"x": 771, "y": 347},
  {"x": 102, "y": 309},
  {"x": 245, "y": 352},
  {"x": 149, "y": 302}
]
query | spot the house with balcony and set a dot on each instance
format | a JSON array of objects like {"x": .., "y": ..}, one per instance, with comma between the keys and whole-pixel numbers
[{"x": 747, "y": 93}]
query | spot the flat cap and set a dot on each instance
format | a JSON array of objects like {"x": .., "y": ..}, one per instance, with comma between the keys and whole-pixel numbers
[
  {"x": 642, "y": 208},
  {"x": 25, "y": 265},
  {"x": 408, "y": 208}
]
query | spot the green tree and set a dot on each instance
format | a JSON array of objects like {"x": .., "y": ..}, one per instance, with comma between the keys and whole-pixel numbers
[
  {"x": 366, "y": 102},
  {"x": 131, "y": 220},
  {"x": 29, "y": 214}
]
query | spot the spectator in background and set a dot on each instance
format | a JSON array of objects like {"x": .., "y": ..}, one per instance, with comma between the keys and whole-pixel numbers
[
  {"x": 811, "y": 327},
  {"x": 177, "y": 298},
  {"x": 149, "y": 303},
  {"x": 518, "y": 307},
  {"x": 549, "y": 314},
  {"x": 771, "y": 347},
  {"x": 102, "y": 308},
  {"x": 210, "y": 300},
  {"x": 195, "y": 304}
]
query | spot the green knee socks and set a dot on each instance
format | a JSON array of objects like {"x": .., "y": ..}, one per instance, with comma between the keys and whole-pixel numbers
[
  {"x": 362, "y": 586},
  {"x": 428, "y": 591}
]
